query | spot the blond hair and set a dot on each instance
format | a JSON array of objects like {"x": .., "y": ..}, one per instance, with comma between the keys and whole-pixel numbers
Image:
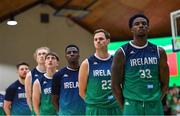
[{"x": 44, "y": 48}]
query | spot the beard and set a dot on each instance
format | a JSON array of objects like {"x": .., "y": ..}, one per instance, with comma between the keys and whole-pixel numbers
[
  {"x": 141, "y": 33},
  {"x": 22, "y": 77},
  {"x": 141, "y": 36},
  {"x": 73, "y": 62}
]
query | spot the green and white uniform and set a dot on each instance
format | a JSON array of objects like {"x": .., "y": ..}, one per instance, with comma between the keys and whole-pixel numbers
[
  {"x": 1, "y": 104},
  {"x": 141, "y": 84},
  {"x": 46, "y": 106},
  {"x": 99, "y": 98}
]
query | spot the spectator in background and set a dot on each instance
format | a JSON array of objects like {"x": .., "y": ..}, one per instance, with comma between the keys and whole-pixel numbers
[
  {"x": 178, "y": 107},
  {"x": 172, "y": 101}
]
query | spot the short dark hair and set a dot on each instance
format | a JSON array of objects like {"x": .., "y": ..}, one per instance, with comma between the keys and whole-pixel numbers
[
  {"x": 21, "y": 63},
  {"x": 52, "y": 54},
  {"x": 71, "y": 45},
  {"x": 107, "y": 34},
  {"x": 136, "y": 16}
]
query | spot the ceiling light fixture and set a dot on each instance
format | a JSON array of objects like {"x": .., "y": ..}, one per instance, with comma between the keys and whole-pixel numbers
[{"x": 12, "y": 21}]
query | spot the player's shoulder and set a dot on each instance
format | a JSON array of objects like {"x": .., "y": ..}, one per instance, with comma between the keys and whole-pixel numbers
[
  {"x": 162, "y": 51},
  {"x": 152, "y": 44},
  {"x": 33, "y": 70},
  {"x": 91, "y": 57},
  {"x": 125, "y": 45},
  {"x": 29, "y": 74},
  {"x": 84, "y": 64},
  {"x": 14, "y": 85},
  {"x": 60, "y": 72},
  {"x": 85, "y": 61},
  {"x": 156, "y": 47},
  {"x": 161, "y": 48}
]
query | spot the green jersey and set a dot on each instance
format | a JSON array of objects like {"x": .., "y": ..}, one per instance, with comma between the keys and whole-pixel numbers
[
  {"x": 98, "y": 91},
  {"x": 1, "y": 104},
  {"x": 141, "y": 76},
  {"x": 46, "y": 106}
]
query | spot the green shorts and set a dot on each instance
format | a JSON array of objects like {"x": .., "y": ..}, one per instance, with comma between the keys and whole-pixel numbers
[
  {"x": 134, "y": 107},
  {"x": 2, "y": 111},
  {"x": 90, "y": 110}
]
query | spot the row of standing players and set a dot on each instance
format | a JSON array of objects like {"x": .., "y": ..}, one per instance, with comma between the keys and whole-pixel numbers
[{"x": 132, "y": 82}]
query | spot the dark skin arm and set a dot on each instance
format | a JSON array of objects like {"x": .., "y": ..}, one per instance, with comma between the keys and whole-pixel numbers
[
  {"x": 117, "y": 76},
  {"x": 164, "y": 72},
  {"x": 55, "y": 101},
  {"x": 55, "y": 91}
]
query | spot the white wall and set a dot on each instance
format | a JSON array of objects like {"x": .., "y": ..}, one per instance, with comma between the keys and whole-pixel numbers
[
  {"x": 18, "y": 43},
  {"x": 7, "y": 75}
]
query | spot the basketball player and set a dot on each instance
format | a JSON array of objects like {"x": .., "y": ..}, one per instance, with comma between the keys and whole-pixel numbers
[
  {"x": 95, "y": 79},
  {"x": 35, "y": 73},
  {"x": 15, "y": 100},
  {"x": 42, "y": 100},
  {"x": 1, "y": 104},
  {"x": 142, "y": 70},
  {"x": 65, "y": 90}
]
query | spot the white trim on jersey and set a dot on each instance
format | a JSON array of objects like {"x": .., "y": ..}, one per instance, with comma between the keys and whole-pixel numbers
[
  {"x": 101, "y": 58},
  {"x": 138, "y": 47},
  {"x": 123, "y": 51},
  {"x": 71, "y": 69},
  {"x": 158, "y": 51},
  {"x": 88, "y": 67},
  {"x": 39, "y": 70},
  {"x": 45, "y": 75}
]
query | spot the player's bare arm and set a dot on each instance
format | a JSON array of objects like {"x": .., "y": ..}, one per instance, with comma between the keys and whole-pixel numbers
[
  {"x": 28, "y": 89},
  {"x": 55, "y": 92},
  {"x": 36, "y": 96},
  {"x": 164, "y": 72},
  {"x": 55, "y": 101},
  {"x": 83, "y": 76},
  {"x": 117, "y": 76},
  {"x": 7, "y": 107}
]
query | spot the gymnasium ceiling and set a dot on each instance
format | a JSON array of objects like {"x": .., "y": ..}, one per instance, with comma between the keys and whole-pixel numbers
[{"x": 112, "y": 15}]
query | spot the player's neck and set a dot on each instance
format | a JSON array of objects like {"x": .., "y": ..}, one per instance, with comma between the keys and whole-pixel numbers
[
  {"x": 21, "y": 80},
  {"x": 139, "y": 42},
  {"x": 50, "y": 72},
  {"x": 102, "y": 54},
  {"x": 73, "y": 65},
  {"x": 41, "y": 68}
]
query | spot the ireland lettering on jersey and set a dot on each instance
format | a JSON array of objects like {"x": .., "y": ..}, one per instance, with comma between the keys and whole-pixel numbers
[
  {"x": 70, "y": 85},
  {"x": 1, "y": 104},
  {"x": 21, "y": 95},
  {"x": 47, "y": 90},
  {"x": 143, "y": 61},
  {"x": 101, "y": 73}
]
